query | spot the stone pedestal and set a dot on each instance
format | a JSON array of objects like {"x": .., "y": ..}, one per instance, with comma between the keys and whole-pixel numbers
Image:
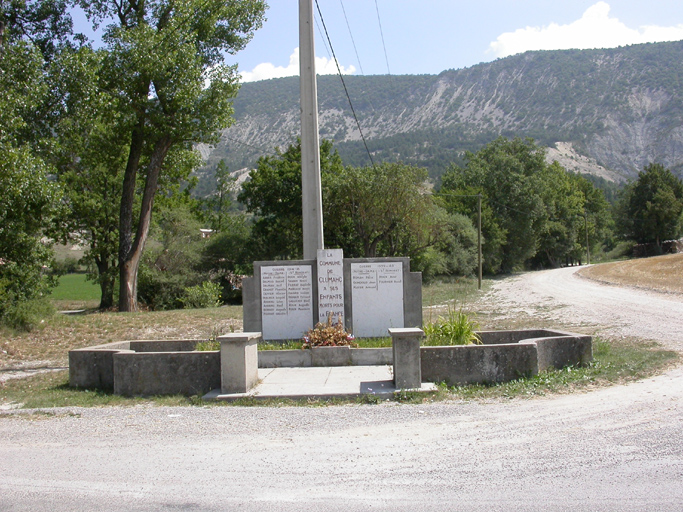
[
  {"x": 239, "y": 361},
  {"x": 406, "y": 349}
]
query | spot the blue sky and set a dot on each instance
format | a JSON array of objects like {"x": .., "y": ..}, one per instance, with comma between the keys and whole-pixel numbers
[{"x": 429, "y": 36}]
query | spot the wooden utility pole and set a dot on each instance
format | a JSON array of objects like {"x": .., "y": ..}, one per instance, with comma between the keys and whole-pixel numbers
[
  {"x": 311, "y": 189},
  {"x": 588, "y": 249}
]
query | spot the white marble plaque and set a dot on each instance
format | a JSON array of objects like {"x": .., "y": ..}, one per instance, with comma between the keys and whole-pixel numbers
[
  {"x": 286, "y": 301},
  {"x": 377, "y": 298},
  {"x": 331, "y": 285}
]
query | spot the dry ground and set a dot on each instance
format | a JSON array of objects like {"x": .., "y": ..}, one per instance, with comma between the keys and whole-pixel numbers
[{"x": 660, "y": 273}]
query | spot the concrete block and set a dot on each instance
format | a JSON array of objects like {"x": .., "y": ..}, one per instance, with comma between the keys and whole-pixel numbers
[
  {"x": 471, "y": 364},
  {"x": 165, "y": 373},
  {"x": 284, "y": 358},
  {"x": 372, "y": 356},
  {"x": 406, "y": 353},
  {"x": 239, "y": 361},
  {"x": 330, "y": 356},
  {"x": 93, "y": 367},
  {"x": 561, "y": 351}
]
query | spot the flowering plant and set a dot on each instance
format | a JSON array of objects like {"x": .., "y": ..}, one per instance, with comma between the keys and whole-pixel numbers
[{"x": 329, "y": 334}]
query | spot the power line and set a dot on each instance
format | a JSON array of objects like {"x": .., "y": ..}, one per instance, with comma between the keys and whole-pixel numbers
[
  {"x": 381, "y": 33},
  {"x": 352, "y": 40},
  {"x": 346, "y": 91}
]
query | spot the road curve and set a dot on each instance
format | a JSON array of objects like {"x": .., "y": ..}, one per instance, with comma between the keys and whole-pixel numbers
[
  {"x": 564, "y": 295},
  {"x": 617, "y": 448}
]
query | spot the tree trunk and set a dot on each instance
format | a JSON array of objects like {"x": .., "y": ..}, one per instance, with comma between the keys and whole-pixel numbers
[
  {"x": 106, "y": 284},
  {"x": 129, "y": 260}
]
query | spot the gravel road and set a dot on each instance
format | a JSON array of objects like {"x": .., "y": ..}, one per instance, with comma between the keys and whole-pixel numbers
[
  {"x": 617, "y": 448},
  {"x": 564, "y": 296}
]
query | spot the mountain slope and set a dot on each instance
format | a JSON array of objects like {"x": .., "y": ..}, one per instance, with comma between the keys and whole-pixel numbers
[{"x": 605, "y": 112}]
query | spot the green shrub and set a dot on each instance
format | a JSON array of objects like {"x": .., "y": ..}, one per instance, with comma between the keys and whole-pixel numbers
[
  {"x": 455, "y": 329},
  {"x": 160, "y": 290},
  {"x": 27, "y": 315},
  {"x": 68, "y": 266},
  {"x": 205, "y": 295},
  {"x": 620, "y": 251}
]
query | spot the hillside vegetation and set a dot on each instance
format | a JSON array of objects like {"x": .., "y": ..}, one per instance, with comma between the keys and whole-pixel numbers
[{"x": 608, "y": 112}]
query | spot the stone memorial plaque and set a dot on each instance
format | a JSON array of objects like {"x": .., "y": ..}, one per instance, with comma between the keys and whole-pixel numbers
[
  {"x": 331, "y": 285},
  {"x": 377, "y": 298},
  {"x": 286, "y": 301}
]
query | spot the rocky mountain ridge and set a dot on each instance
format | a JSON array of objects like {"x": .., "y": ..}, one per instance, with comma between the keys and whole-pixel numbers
[{"x": 604, "y": 112}]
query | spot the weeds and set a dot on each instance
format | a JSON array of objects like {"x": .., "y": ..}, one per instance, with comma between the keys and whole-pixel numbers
[{"x": 454, "y": 329}]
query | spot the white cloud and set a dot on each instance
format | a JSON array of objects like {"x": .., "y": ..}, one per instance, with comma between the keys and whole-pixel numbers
[
  {"x": 595, "y": 29},
  {"x": 267, "y": 70}
]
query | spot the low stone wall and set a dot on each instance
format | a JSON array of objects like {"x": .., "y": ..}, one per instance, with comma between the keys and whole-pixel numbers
[
  {"x": 166, "y": 373},
  {"x": 325, "y": 356},
  {"x": 474, "y": 364},
  {"x": 145, "y": 367},
  {"x": 93, "y": 367},
  {"x": 149, "y": 367},
  {"x": 505, "y": 356}
]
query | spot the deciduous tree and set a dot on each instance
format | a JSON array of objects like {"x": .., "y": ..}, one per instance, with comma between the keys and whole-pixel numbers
[
  {"x": 164, "y": 65},
  {"x": 650, "y": 208}
]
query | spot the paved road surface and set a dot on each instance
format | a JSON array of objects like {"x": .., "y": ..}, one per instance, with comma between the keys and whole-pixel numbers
[{"x": 619, "y": 448}]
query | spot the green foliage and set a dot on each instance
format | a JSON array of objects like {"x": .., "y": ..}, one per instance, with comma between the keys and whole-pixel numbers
[
  {"x": 205, "y": 295},
  {"x": 455, "y": 329},
  {"x": 227, "y": 256},
  {"x": 90, "y": 157},
  {"x": 453, "y": 253},
  {"x": 651, "y": 208},
  {"x": 533, "y": 213},
  {"x": 67, "y": 266},
  {"x": 27, "y": 315},
  {"x": 30, "y": 201},
  {"x": 273, "y": 195},
  {"x": 170, "y": 263},
  {"x": 207, "y": 346},
  {"x": 163, "y": 64},
  {"x": 218, "y": 205},
  {"x": 45, "y": 23},
  {"x": 380, "y": 210}
]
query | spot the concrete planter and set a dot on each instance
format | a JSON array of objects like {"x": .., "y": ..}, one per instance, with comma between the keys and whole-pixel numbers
[{"x": 150, "y": 367}]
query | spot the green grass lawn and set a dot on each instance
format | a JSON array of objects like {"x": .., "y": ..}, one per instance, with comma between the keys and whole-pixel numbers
[{"x": 74, "y": 291}]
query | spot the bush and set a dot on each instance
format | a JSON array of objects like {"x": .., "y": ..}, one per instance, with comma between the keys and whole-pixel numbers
[
  {"x": 620, "y": 251},
  {"x": 205, "y": 295},
  {"x": 28, "y": 315},
  {"x": 68, "y": 266},
  {"x": 455, "y": 329}
]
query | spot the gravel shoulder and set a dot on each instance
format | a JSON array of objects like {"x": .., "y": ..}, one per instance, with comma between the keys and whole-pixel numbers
[
  {"x": 615, "y": 448},
  {"x": 564, "y": 297}
]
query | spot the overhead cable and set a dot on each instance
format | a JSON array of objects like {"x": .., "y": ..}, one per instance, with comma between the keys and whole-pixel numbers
[{"x": 346, "y": 91}]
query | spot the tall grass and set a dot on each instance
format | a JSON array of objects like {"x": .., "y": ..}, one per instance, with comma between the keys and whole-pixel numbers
[{"x": 456, "y": 328}]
